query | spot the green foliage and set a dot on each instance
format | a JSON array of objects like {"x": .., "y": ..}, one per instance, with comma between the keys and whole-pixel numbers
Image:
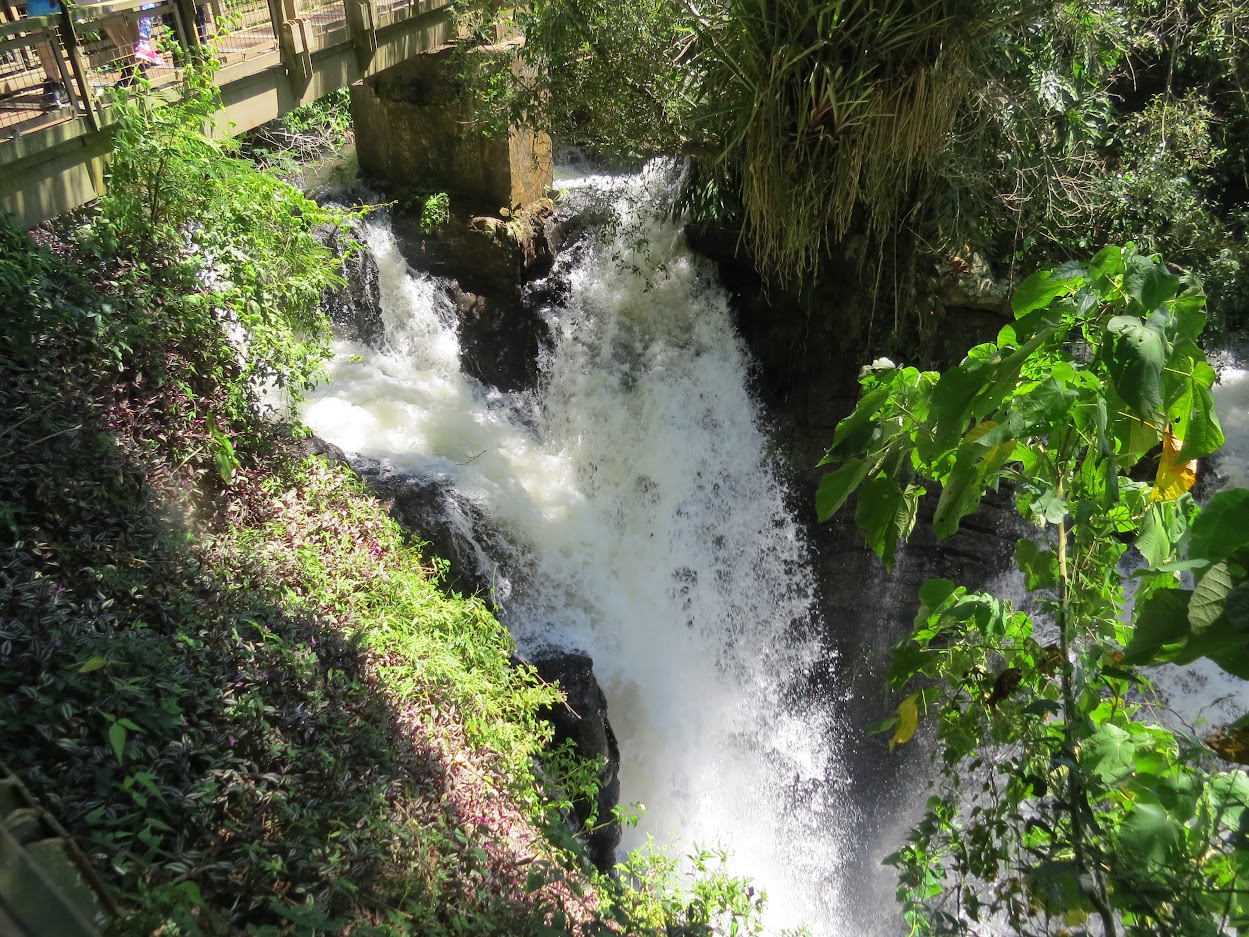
[
  {"x": 604, "y": 75},
  {"x": 1096, "y": 123},
  {"x": 1023, "y": 132},
  {"x": 1060, "y": 796},
  {"x": 824, "y": 114},
  {"x": 240, "y": 244},
  {"x": 432, "y": 208},
  {"x": 803, "y": 118}
]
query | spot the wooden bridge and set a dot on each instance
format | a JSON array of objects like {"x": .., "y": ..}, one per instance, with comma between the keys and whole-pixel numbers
[{"x": 275, "y": 55}]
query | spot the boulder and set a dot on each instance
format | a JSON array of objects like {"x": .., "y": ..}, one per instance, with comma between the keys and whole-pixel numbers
[
  {"x": 486, "y": 264},
  {"x": 355, "y": 308},
  {"x": 583, "y": 721},
  {"x": 429, "y": 510}
]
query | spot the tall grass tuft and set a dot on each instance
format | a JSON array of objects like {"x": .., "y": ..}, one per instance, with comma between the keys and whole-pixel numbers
[{"x": 829, "y": 112}]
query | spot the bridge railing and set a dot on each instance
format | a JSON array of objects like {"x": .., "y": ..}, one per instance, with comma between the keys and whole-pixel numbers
[{"x": 56, "y": 69}]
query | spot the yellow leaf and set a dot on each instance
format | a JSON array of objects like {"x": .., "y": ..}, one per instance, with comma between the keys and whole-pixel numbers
[
  {"x": 1174, "y": 477},
  {"x": 998, "y": 454},
  {"x": 979, "y": 430},
  {"x": 908, "y": 719}
]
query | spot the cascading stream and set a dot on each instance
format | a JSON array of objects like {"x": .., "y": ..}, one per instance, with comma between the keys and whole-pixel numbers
[{"x": 637, "y": 516}]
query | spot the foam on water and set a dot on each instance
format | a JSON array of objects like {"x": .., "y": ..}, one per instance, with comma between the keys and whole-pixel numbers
[{"x": 640, "y": 520}]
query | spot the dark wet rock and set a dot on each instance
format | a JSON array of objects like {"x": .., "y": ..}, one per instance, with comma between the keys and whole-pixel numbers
[
  {"x": 500, "y": 342},
  {"x": 970, "y": 282},
  {"x": 583, "y": 721},
  {"x": 356, "y": 308},
  {"x": 486, "y": 264},
  {"x": 429, "y": 510},
  {"x": 315, "y": 445}
]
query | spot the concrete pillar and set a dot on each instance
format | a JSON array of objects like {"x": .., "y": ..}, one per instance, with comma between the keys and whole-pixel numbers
[{"x": 414, "y": 128}]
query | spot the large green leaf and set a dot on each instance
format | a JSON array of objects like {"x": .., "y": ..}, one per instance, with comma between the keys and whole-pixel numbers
[
  {"x": 1150, "y": 835},
  {"x": 1040, "y": 567},
  {"x": 1222, "y": 528},
  {"x": 952, "y": 399},
  {"x": 886, "y": 513},
  {"x": 934, "y": 594},
  {"x": 960, "y": 495},
  {"x": 1161, "y": 620},
  {"x": 1110, "y": 753},
  {"x": 1038, "y": 290},
  {"x": 1189, "y": 312},
  {"x": 852, "y": 433},
  {"x": 1059, "y": 886},
  {"x": 836, "y": 487},
  {"x": 1206, "y": 606},
  {"x": 1148, "y": 282},
  {"x": 1107, "y": 262},
  {"x": 1137, "y": 354},
  {"x": 1202, "y": 432}
]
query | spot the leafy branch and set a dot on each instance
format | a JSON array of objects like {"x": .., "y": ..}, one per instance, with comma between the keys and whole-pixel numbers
[{"x": 1061, "y": 796}]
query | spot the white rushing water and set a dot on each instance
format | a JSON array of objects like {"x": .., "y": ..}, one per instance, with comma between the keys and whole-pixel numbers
[{"x": 636, "y": 516}]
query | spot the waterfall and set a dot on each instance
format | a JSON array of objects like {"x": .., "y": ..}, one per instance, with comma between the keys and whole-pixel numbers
[{"x": 637, "y": 515}]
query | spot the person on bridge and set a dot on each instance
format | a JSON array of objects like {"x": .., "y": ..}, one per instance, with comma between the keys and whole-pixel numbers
[
  {"x": 54, "y": 93},
  {"x": 125, "y": 36}
]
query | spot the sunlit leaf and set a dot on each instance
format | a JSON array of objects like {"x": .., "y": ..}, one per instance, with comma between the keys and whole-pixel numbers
[
  {"x": 1110, "y": 754},
  {"x": 1175, "y": 477},
  {"x": 886, "y": 514},
  {"x": 1148, "y": 282},
  {"x": 853, "y": 432},
  {"x": 1150, "y": 834},
  {"x": 1206, "y": 606},
  {"x": 1059, "y": 886},
  {"x": 1038, "y": 290},
  {"x": 908, "y": 721},
  {"x": 1137, "y": 354},
  {"x": 117, "y": 738},
  {"x": 1161, "y": 620}
]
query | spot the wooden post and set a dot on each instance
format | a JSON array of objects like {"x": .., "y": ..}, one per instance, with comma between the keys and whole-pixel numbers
[
  {"x": 184, "y": 19},
  {"x": 361, "y": 18},
  {"x": 292, "y": 33},
  {"x": 73, "y": 48}
]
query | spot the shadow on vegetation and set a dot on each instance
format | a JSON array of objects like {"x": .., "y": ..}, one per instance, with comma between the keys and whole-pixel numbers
[{"x": 217, "y": 742}]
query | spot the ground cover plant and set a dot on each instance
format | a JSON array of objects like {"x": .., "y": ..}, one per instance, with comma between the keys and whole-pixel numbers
[
  {"x": 225, "y": 669},
  {"x": 1062, "y": 795}
]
